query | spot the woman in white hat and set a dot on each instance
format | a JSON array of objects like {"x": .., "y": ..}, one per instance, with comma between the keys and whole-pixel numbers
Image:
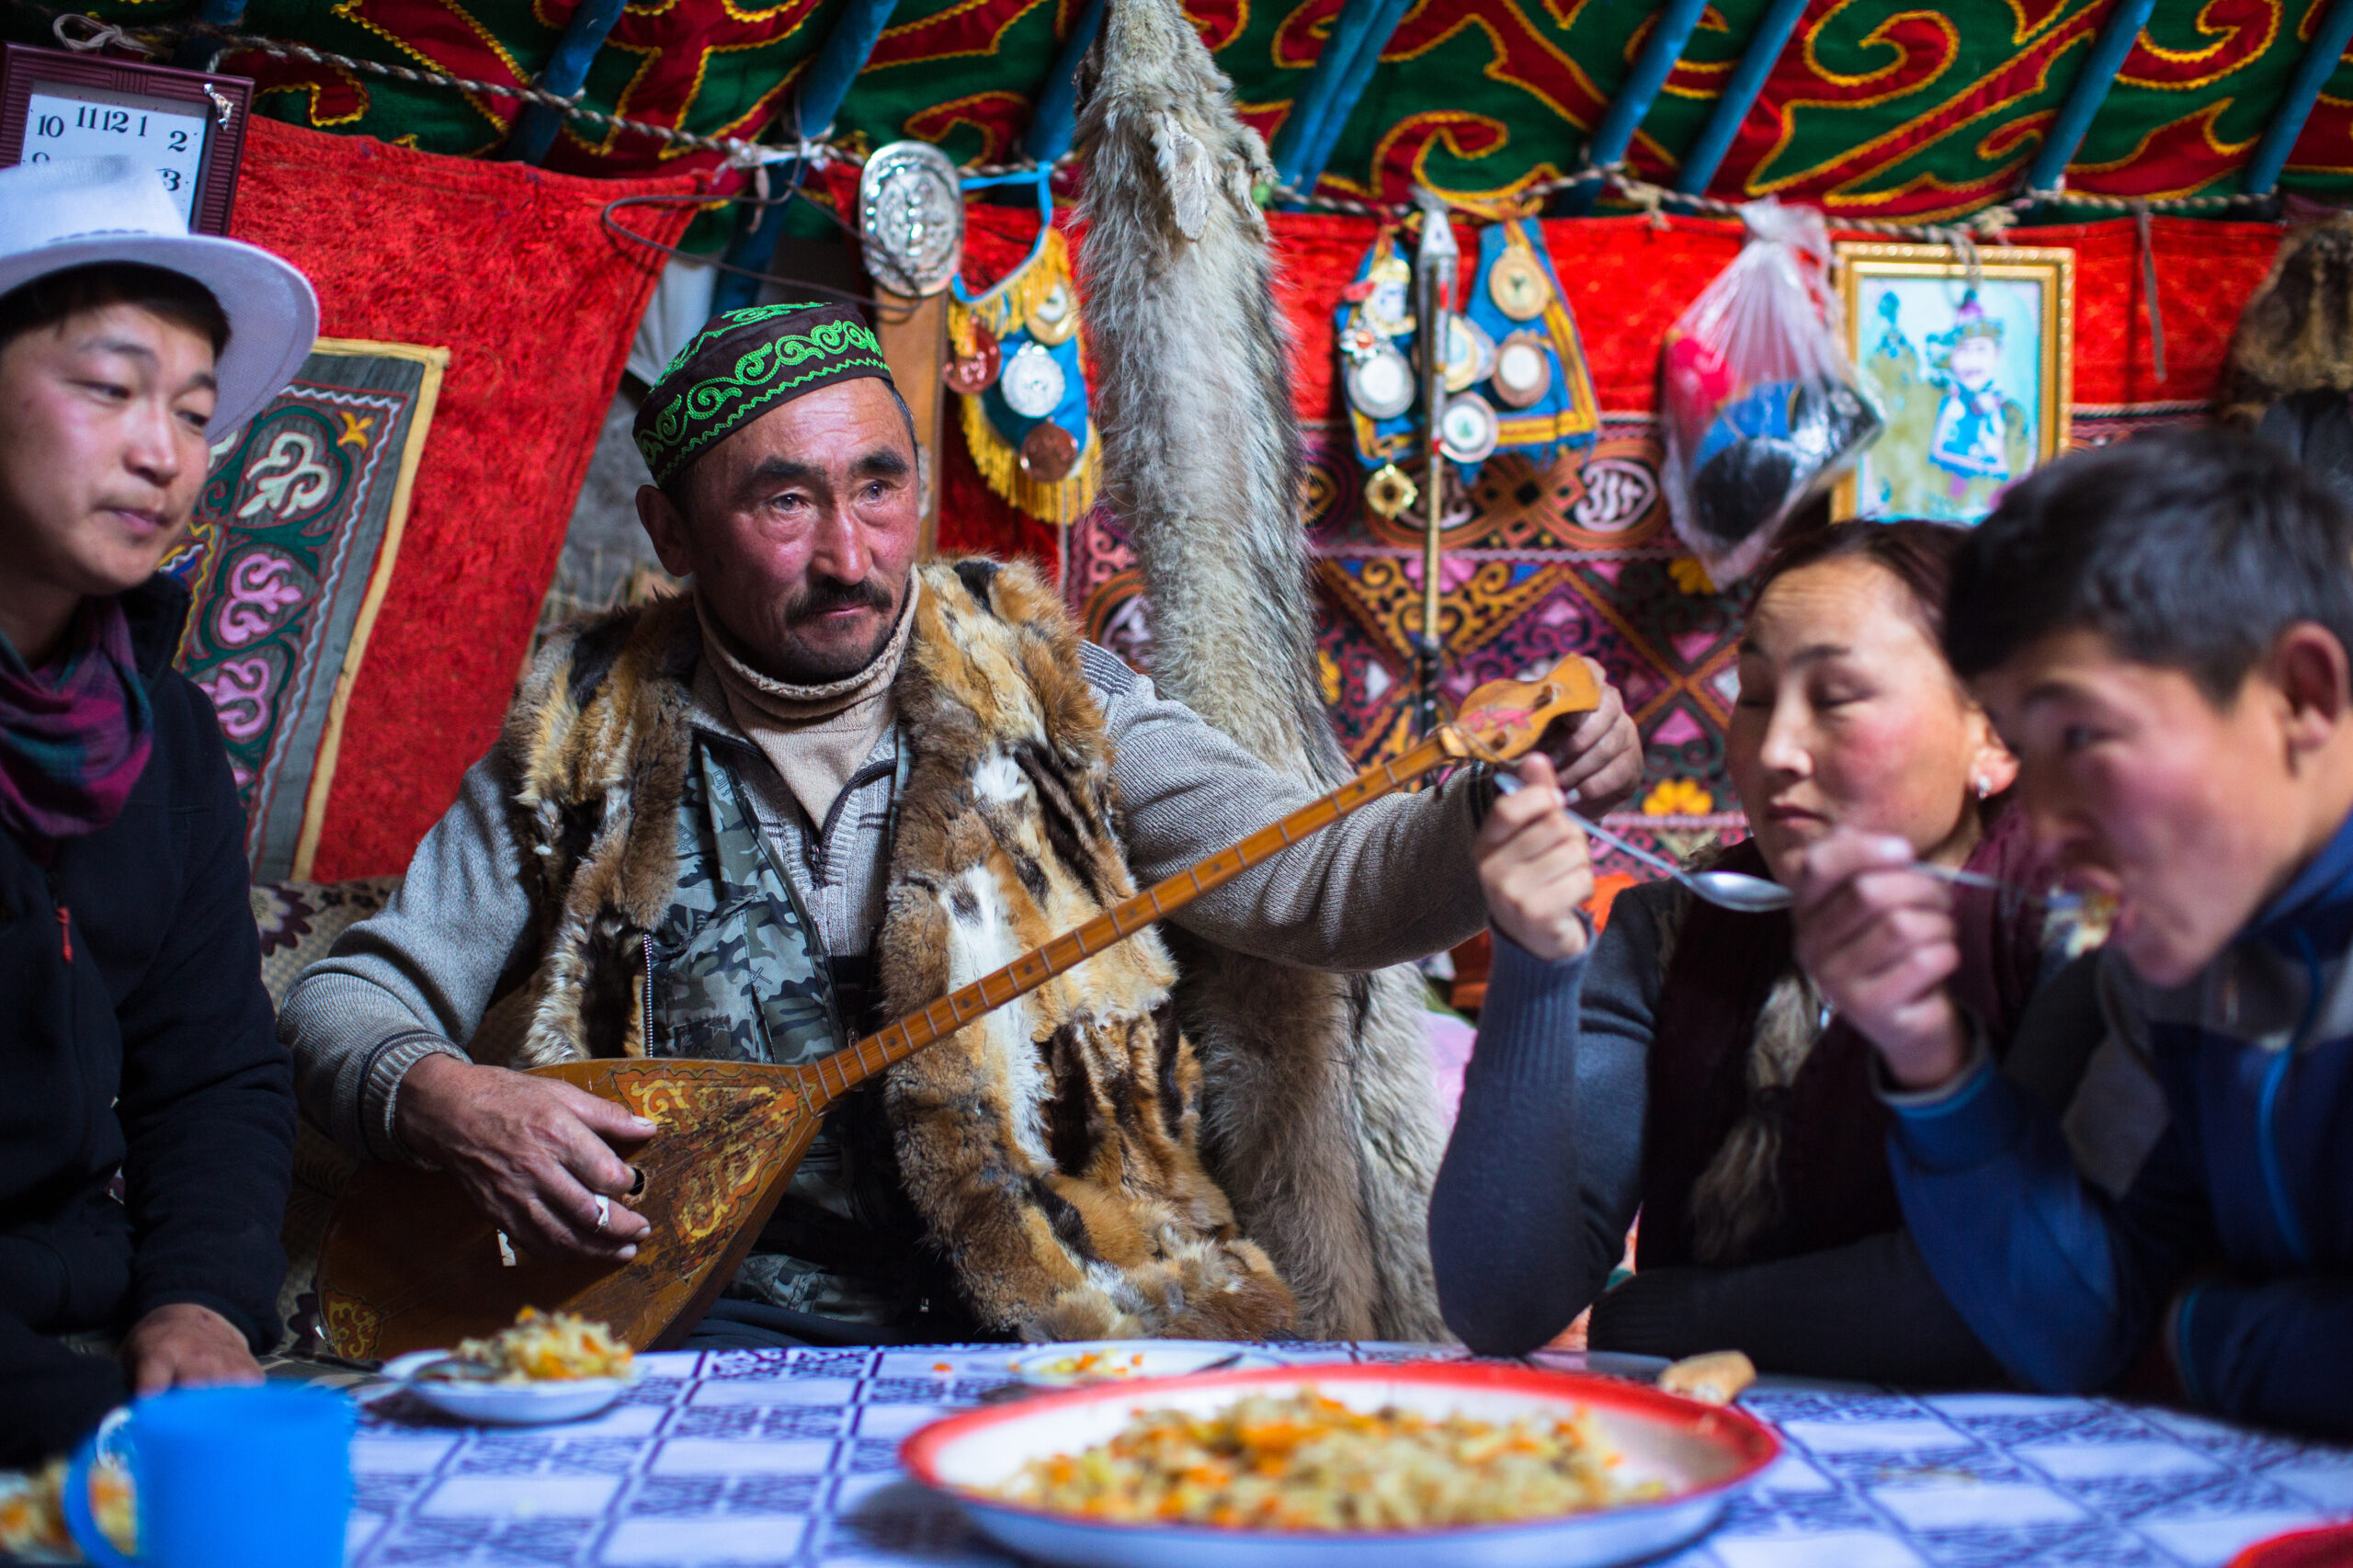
[{"x": 139, "y": 1037}]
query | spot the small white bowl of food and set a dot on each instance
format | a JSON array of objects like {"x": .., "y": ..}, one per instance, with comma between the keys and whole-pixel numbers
[
  {"x": 1078, "y": 1363},
  {"x": 547, "y": 1367}
]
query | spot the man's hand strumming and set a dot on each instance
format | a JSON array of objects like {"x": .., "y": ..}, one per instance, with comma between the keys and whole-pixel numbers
[{"x": 535, "y": 1153}]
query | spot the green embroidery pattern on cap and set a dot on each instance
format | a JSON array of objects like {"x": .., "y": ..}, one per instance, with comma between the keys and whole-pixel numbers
[
  {"x": 720, "y": 326},
  {"x": 714, "y": 406}
]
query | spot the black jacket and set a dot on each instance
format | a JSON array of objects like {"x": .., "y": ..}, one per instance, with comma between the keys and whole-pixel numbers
[{"x": 135, "y": 1034}]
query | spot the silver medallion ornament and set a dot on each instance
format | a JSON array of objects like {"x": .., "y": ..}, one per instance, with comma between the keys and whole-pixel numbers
[
  {"x": 1381, "y": 383},
  {"x": 1523, "y": 371},
  {"x": 911, "y": 216},
  {"x": 1054, "y": 319},
  {"x": 1031, "y": 382},
  {"x": 1517, "y": 285},
  {"x": 1468, "y": 430},
  {"x": 1470, "y": 353},
  {"x": 1388, "y": 307}
]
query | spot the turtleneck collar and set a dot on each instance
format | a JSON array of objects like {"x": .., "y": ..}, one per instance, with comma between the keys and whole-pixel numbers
[{"x": 816, "y": 736}]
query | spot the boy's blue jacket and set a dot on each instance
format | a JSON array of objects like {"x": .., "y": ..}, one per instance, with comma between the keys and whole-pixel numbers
[{"x": 2225, "y": 1220}]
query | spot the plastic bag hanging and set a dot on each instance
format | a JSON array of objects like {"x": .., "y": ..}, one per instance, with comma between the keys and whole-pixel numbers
[{"x": 1762, "y": 408}]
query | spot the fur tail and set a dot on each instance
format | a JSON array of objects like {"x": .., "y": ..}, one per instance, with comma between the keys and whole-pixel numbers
[{"x": 1318, "y": 1117}]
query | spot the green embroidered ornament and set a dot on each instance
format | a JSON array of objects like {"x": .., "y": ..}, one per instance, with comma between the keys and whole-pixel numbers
[{"x": 742, "y": 365}]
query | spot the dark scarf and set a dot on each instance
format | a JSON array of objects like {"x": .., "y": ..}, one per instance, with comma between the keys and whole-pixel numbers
[
  {"x": 74, "y": 735},
  {"x": 1742, "y": 1162}
]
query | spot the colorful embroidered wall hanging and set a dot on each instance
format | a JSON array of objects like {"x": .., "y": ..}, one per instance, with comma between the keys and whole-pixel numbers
[
  {"x": 297, "y": 530},
  {"x": 1019, "y": 369}
]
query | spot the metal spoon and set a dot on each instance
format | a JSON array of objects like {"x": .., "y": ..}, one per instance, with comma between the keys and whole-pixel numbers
[
  {"x": 1755, "y": 895},
  {"x": 1727, "y": 890},
  {"x": 2055, "y": 898}
]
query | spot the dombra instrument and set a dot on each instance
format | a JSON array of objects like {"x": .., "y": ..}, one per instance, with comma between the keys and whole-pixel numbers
[{"x": 408, "y": 1262}]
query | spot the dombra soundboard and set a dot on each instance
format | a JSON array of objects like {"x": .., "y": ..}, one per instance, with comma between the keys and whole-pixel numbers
[{"x": 408, "y": 1262}]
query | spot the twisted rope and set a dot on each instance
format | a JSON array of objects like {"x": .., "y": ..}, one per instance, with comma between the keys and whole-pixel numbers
[
  {"x": 1988, "y": 224},
  {"x": 90, "y": 34}
]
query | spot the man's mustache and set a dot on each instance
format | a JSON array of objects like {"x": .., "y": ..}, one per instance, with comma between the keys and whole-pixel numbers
[{"x": 827, "y": 595}]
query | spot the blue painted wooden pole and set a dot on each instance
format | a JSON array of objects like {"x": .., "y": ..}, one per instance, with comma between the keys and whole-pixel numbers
[
  {"x": 2049, "y": 171},
  {"x": 1303, "y": 145},
  {"x": 1669, "y": 33},
  {"x": 1056, "y": 116},
  {"x": 534, "y": 130},
  {"x": 1756, "y": 62},
  {"x": 815, "y": 103},
  {"x": 2261, "y": 176},
  {"x": 1361, "y": 65},
  {"x": 196, "y": 53}
]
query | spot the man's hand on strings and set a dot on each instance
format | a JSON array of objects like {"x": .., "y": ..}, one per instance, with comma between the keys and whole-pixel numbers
[
  {"x": 1597, "y": 757},
  {"x": 1533, "y": 867},
  {"x": 536, "y": 1154}
]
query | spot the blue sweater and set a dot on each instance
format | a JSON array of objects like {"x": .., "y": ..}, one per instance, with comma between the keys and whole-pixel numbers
[{"x": 2237, "y": 1201}]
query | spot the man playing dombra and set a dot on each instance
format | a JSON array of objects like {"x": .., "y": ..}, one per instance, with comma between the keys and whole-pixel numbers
[{"x": 826, "y": 787}]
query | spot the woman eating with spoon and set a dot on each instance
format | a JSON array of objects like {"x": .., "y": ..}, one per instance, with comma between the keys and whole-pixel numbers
[{"x": 1680, "y": 1064}]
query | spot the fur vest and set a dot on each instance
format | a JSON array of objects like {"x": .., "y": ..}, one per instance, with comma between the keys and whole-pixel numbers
[{"x": 1051, "y": 1148}]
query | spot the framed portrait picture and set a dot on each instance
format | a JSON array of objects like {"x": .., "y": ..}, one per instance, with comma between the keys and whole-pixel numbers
[
  {"x": 188, "y": 126},
  {"x": 1975, "y": 376}
]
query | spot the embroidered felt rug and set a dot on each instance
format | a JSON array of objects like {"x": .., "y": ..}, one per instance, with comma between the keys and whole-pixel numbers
[{"x": 297, "y": 533}]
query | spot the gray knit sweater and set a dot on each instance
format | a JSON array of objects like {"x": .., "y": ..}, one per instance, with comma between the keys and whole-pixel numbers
[{"x": 1388, "y": 884}]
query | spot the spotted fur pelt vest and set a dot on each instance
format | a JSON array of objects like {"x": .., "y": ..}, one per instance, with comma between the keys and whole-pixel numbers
[
  {"x": 1052, "y": 1148},
  {"x": 1203, "y": 466}
]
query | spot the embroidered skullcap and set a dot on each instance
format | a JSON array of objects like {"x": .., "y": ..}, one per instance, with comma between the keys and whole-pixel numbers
[{"x": 740, "y": 365}]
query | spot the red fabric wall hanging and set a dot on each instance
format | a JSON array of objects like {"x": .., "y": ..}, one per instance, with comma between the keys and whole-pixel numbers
[{"x": 510, "y": 269}]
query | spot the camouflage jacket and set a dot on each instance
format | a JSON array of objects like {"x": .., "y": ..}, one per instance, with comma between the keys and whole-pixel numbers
[{"x": 737, "y": 970}]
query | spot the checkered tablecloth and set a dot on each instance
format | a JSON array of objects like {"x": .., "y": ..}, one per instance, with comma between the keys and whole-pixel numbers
[{"x": 790, "y": 1458}]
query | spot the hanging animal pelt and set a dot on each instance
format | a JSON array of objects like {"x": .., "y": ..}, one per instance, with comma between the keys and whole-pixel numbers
[
  {"x": 1319, "y": 1124},
  {"x": 2296, "y": 334}
]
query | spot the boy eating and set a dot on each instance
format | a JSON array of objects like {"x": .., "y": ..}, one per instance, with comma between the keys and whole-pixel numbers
[{"x": 2160, "y": 630}]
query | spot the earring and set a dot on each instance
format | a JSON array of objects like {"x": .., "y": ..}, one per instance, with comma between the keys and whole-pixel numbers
[{"x": 1982, "y": 786}]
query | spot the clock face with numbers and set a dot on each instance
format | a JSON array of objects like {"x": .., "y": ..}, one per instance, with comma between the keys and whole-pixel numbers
[
  {"x": 188, "y": 126},
  {"x": 68, "y": 121}
]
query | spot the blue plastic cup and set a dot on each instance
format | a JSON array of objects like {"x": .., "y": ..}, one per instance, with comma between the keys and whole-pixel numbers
[{"x": 227, "y": 1478}]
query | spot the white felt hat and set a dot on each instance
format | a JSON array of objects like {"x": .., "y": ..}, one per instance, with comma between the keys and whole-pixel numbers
[{"x": 78, "y": 211}]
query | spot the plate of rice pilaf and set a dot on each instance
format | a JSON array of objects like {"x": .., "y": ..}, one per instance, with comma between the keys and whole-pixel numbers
[{"x": 1469, "y": 1464}]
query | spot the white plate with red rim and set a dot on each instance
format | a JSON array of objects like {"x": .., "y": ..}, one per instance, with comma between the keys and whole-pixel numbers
[{"x": 1705, "y": 1456}]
